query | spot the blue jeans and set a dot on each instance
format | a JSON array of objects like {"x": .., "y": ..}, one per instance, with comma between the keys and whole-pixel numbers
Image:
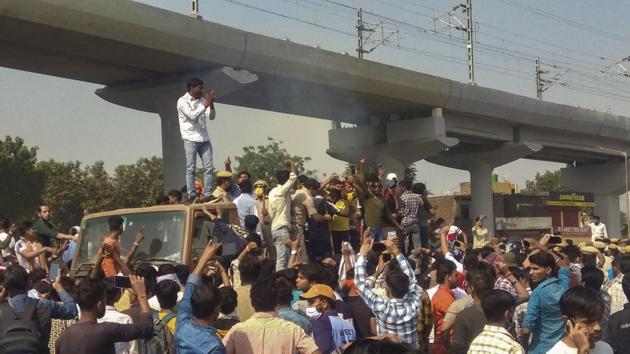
[
  {"x": 378, "y": 234},
  {"x": 204, "y": 150},
  {"x": 282, "y": 251}
]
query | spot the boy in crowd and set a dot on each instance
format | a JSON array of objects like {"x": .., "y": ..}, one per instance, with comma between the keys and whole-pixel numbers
[{"x": 582, "y": 311}]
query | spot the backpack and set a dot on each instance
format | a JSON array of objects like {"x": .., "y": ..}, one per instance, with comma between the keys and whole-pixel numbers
[
  {"x": 19, "y": 333},
  {"x": 162, "y": 341}
]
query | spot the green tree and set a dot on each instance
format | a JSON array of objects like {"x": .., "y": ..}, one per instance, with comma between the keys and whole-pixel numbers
[
  {"x": 21, "y": 183},
  {"x": 546, "y": 182},
  {"x": 99, "y": 188},
  {"x": 63, "y": 191},
  {"x": 138, "y": 184},
  {"x": 262, "y": 161}
]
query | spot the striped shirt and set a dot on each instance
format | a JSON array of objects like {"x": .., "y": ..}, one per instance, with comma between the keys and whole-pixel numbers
[{"x": 495, "y": 340}]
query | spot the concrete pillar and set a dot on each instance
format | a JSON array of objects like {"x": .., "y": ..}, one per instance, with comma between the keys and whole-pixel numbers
[
  {"x": 482, "y": 202},
  {"x": 173, "y": 159},
  {"x": 607, "y": 207},
  {"x": 480, "y": 165},
  {"x": 606, "y": 181}
]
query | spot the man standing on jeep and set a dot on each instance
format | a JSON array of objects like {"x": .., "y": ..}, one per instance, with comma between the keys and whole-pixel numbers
[{"x": 192, "y": 112}]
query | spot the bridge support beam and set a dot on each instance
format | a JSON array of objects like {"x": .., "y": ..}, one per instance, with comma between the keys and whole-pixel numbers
[
  {"x": 607, "y": 183},
  {"x": 480, "y": 166},
  {"x": 395, "y": 144}
]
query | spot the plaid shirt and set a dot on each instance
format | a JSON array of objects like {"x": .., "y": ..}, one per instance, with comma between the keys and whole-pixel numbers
[
  {"x": 617, "y": 297},
  {"x": 395, "y": 316},
  {"x": 502, "y": 283},
  {"x": 495, "y": 340},
  {"x": 408, "y": 208}
]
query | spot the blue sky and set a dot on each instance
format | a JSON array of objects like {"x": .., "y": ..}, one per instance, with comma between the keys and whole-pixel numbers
[{"x": 581, "y": 38}]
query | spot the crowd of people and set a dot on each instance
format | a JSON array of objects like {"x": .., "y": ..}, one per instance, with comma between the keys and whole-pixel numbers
[{"x": 352, "y": 264}]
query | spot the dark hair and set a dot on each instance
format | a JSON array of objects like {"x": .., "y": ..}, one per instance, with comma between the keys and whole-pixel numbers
[
  {"x": 229, "y": 299},
  {"x": 42, "y": 287},
  {"x": 39, "y": 207},
  {"x": 175, "y": 194},
  {"x": 282, "y": 176},
  {"x": 182, "y": 271},
  {"x": 494, "y": 304},
  {"x": 581, "y": 301},
  {"x": 4, "y": 222},
  {"x": 596, "y": 217},
  {"x": 405, "y": 183},
  {"x": 15, "y": 280},
  {"x": 398, "y": 283},
  {"x": 263, "y": 295},
  {"x": 335, "y": 194},
  {"x": 373, "y": 346},
  {"x": 285, "y": 291},
  {"x": 23, "y": 227},
  {"x": 592, "y": 277},
  {"x": 290, "y": 274},
  {"x": 192, "y": 83},
  {"x": 313, "y": 184},
  {"x": 481, "y": 278},
  {"x": 251, "y": 222},
  {"x": 418, "y": 188},
  {"x": 485, "y": 251},
  {"x": 249, "y": 175},
  {"x": 221, "y": 180},
  {"x": 624, "y": 263},
  {"x": 165, "y": 269},
  {"x": 149, "y": 274},
  {"x": 161, "y": 200},
  {"x": 573, "y": 252},
  {"x": 166, "y": 293},
  {"x": 249, "y": 268},
  {"x": 115, "y": 223},
  {"x": 89, "y": 292},
  {"x": 471, "y": 258},
  {"x": 205, "y": 300},
  {"x": 112, "y": 294},
  {"x": 37, "y": 274},
  {"x": 303, "y": 179},
  {"x": 246, "y": 186},
  {"x": 312, "y": 272},
  {"x": 543, "y": 259},
  {"x": 444, "y": 268}
]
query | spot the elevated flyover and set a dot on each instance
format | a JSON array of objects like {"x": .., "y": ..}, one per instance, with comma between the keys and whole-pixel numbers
[{"x": 142, "y": 55}]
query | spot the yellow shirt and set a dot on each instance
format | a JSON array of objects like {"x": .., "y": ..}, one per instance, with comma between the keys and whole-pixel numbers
[
  {"x": 480, "y": 237},
  {"x": 338, "y": 222}
]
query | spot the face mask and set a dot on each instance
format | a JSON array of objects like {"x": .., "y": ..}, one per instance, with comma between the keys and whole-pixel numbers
[
  {"x": 312, "y": 313},
  {"x": 259, "y": 192}
]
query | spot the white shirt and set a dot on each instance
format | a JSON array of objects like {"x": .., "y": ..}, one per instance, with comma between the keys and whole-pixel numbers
[
  {"x": 111, "y": 315},
  {"x": 598, "y": 231},
  {"x": 192, "y": 116},
  {"x": 20, "y": 246},
  {"x": 246, "y": 205},
  {"x": 280, "y": 204},
  {"x": 3, "y": 237},
  {"x": 154, "y": 304},
  {"x": 599, "y": 348}
]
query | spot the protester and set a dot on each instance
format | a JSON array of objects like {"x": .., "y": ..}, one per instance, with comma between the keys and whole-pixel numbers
[
  {"x": 280, "y": 211},
  {"x": 441, "y": 301},
  {"x": 598, "y": 229},
  {"x": 174, "y": 197},
  {"x": 45, "y": 231},
  {"x": 265, "y": 332},
  {"x": 7, "y": 242},
  {"x": 245, "y": 203},
  {"x": 408, "y": 208},
  {"x": 340, "y": 223},
  {"x": 544, "y": 318},
  {"x": 198, "y": 311},
  {"x": 498, "y": 308},
  {"x": 283, "y": 307},
  {"x": 398, "y": 312},
  {"x": 582, "y": 312},
  {"x": 227, "y": 314},
  {"x": 30, "y": 253},
  {"x": 617, "y": 331},
  {"x": 480, "y": 233}
]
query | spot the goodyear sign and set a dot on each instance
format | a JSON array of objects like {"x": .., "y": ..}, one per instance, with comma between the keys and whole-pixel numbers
[{"x": 585, "y": 200}]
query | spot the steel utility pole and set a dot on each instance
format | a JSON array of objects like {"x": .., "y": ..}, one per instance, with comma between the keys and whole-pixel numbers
[
  {"x": 469, "y": 43},
  {"x": 361, "y": 28},
  {"x": 539, "y": 88},
  {"x": 194, "y": 11}
]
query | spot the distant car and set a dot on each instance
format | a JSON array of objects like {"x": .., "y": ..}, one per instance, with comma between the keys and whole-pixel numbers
[{"x": 173, "y": 233}]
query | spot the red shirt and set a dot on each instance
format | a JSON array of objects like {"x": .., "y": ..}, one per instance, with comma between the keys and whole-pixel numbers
[{"x": 440, "y": 303}]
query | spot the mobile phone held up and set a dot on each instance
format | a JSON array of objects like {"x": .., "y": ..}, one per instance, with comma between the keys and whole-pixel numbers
[
  {"x": 554, "y": 240},
  {"x": 122, "y": 282}
]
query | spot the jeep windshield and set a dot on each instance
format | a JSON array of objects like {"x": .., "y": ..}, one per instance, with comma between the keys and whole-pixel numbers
[{"x": 163, "y": 230}]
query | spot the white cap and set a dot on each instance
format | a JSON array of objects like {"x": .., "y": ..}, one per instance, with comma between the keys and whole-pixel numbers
[{"x": 391, "y": 176}]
